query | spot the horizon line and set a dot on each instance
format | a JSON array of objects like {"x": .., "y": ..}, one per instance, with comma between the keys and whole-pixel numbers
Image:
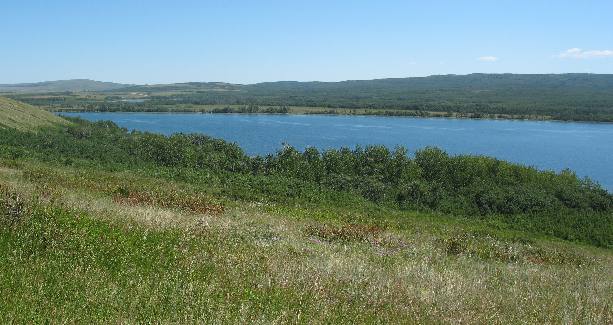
[{"x": 303, "y": 81}]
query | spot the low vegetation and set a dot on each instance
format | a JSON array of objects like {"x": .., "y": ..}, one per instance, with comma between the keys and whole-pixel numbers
[
  {"x": 98, "y": 224},
  {"x": 523, "y": 198}
]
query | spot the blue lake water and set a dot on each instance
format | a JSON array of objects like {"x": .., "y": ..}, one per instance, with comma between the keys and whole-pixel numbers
[{"x": 586, "y": 148}]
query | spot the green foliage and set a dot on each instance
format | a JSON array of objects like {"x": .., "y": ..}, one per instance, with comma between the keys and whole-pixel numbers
[
  {"x": 557, "y": 204},
  {"x": 585, "y": 97}
]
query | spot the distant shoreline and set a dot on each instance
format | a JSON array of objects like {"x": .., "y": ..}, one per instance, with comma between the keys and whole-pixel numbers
[
  {"x": 565, "y": 97},
  {"x": 295, "y": 110}
]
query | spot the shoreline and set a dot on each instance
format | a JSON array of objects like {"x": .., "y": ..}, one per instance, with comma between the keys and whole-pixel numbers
[
  {"x": 358, "y": 120},
  {"x": 219, "y": 109}
]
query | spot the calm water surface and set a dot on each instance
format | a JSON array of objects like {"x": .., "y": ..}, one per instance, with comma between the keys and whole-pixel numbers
[{"x": 586, "y": 148}]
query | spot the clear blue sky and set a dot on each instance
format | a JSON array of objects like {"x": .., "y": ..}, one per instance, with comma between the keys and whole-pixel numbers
[{"x": 253, "y": 41}]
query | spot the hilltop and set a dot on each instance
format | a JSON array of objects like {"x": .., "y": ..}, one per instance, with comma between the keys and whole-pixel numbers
[
  {"x": 14, "y": 114},
  {"x": 73, "y": 85}
]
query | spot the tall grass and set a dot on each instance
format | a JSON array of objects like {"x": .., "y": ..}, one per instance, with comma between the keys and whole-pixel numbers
[{"x": 64, "y": 258}]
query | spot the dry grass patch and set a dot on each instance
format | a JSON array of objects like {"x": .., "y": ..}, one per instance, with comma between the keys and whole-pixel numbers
[
  {"x": 349, "y": 232},
  {"x": 197, "y": 203}
]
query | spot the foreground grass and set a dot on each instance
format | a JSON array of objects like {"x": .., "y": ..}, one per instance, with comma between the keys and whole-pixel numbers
[{"x": 74, "y": 252}]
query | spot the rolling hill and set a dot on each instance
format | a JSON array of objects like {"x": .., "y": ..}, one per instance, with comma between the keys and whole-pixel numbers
[
  {"x": 14, "y": 114},
  {"x": 74, "y": 85},
  {"x": 559, "y": 96},
  {"x": 476, "y": 82},
  {"x": 575, "y": 96}
]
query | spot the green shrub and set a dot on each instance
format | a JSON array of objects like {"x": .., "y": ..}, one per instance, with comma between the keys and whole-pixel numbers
[{"x": 559, "y": 204}]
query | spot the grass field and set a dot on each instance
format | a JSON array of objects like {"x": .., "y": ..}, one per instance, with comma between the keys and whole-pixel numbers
[{"x": 75, "y": 249}]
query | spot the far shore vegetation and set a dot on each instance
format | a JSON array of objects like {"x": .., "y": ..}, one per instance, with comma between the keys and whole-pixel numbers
[
  {"x": 564, "y": 97},
  {"x": 254, "y": 109}
]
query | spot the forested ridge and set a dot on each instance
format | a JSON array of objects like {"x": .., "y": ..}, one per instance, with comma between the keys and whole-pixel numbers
[{"x": 583, "y": 97}]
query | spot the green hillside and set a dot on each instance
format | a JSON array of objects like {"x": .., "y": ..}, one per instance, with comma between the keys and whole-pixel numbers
[
  {"x": 579, "y": 97},
  {"x": 563, "y": 96},
  {"x": 14, "y": 114}
]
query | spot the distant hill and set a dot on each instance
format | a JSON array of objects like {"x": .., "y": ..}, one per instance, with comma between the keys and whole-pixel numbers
[
  {"x": 471, "y": 82},
  {"x": 73, "y": 85},
  {"x": 185, "y": 87},
  {"x": 14, "y": 114},
  {"x": 574, "y": 96},
  {"x": 561, "y": 96}
]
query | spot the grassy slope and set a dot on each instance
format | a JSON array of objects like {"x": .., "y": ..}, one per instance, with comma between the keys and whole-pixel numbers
[
  {"x": 14, "y": 114},
  {"x": 81, "y": 251}
]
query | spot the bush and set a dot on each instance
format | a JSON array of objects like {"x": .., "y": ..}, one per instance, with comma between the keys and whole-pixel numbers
[{"x": 432, "y": 180}]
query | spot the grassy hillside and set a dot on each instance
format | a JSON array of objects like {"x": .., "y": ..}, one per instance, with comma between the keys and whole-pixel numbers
[
  {"x": 14, "y": 114},
  {"x": 84, "y": 245},
  {"x": 101, "y": 225},
  {"x": 74, "y": 85}
]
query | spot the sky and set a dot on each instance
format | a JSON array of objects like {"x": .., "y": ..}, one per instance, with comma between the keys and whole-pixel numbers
[{"x": 147, "y": 42}]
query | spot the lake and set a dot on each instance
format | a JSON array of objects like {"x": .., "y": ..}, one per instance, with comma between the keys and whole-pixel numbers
[{"x": 586, "y": 148}]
